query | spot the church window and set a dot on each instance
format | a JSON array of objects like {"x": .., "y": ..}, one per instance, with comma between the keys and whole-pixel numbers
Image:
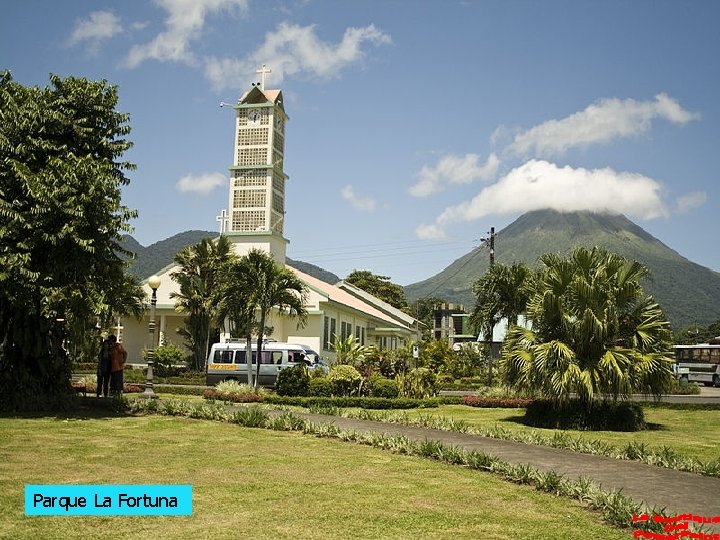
[
  {"x": 278, "y": 142},
  {"x": 277, "y": 203},
  {"x": 345, "y": 330},
  {"x": 243, "y": 198},
  {"x": 248, "y": 220},
  {"x": 252, "y": 156},
  {"x": 277, "y": 222},
  {"x": 360, "y": 334},
  {"x": 329, "y": 328},
  {"x": 252, "y": 136},
  {"x": 278, "y": 184},
  {"x": 249, "y": 178}
]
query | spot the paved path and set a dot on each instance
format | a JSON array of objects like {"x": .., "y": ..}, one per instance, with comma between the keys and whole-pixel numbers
[{"x": 677, "y": 492}]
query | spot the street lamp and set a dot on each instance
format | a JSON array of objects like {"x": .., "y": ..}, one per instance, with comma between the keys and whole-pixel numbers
[{"x": 154, "y": 283}]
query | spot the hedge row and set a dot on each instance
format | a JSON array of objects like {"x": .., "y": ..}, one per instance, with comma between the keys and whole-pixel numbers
[
  {"x": 360, "y": 402},
  {"x": 245, "y": 397},
  {"x": 494, "y": 402}
]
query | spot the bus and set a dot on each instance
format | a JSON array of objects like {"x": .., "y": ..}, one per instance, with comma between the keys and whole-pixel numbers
[
  {"x": 227, "y": 361},
  {"x": 698, "y": 363}
]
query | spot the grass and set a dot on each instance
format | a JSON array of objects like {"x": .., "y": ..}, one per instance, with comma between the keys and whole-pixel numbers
[
  {"x": 266, "y": 484},
  {"x": 693, "y": 433}
]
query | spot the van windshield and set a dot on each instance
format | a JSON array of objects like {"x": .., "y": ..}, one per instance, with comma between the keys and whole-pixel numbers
[{"x": 312, "y": 356}]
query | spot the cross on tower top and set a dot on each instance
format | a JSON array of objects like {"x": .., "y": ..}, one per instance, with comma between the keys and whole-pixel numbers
[{"x": 264, "y": 70}]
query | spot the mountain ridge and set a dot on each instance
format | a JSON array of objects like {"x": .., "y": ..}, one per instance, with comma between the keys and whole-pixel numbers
[
  {"x": 689, "y": 292},
  {"x": 151, "y": 259}
]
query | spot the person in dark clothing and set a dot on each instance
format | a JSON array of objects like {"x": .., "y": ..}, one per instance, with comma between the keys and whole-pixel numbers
[
  {"x": 118, "y": 356},
  {"x": 103, "y": 372}
]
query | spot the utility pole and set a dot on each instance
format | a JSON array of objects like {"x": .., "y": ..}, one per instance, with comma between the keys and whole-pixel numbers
[{"x": 490, "y": 242}]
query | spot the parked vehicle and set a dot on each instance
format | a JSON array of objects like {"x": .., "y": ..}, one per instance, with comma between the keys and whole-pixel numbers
[
  {"x": 228, "y": 361},
  {"x": 698, "y": 363}
]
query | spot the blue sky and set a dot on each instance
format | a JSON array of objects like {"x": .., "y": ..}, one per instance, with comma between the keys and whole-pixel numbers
[{"x": 415, "y": 126}]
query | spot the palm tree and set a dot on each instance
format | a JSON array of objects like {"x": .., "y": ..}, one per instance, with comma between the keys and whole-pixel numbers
[
  {"x": 593, "y": 331},
  {"x": 272, "y": 286},
  {"x": 349, "y": 351},
  {"x": 502, "y": 293},
  {"x": 198, "y": 279},
  {"x": 234, "y": 305}
]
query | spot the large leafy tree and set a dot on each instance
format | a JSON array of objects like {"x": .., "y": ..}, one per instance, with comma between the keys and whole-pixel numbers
[
  {"x": 380, "y": 287},
  {"x": 594, "y": 332},
  {"x": 198, "y": 278},
  {"x": 61, "y": 223},
  {"x": 502, "y": 293},
  {"x": 272, "y": 287}
]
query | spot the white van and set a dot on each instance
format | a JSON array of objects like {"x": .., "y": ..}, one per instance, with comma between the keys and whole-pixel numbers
[{"x": 227, "y": 361}]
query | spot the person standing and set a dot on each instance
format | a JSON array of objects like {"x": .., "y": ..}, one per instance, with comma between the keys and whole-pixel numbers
[
  {"x": 103, "y": 372},
  {"x": 118, "y": 356}
]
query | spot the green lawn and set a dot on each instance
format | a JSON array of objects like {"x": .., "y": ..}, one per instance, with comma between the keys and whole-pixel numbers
[
  {"x": 266, "y": 484},
  {"x": 692, "y": 433}
]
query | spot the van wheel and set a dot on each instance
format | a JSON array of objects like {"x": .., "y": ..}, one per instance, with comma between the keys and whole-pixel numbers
[
  {"x": 684, "y": 379},
  {"x": 716, "y": 380}
]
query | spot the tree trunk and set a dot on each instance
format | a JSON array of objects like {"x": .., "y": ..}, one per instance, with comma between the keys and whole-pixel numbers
[
  {"x": 261, "y": 328},
  {"x": 248, "y": 358}
]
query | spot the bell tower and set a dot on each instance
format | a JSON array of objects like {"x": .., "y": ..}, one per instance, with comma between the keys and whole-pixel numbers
[{"x": 256, "y": 201}]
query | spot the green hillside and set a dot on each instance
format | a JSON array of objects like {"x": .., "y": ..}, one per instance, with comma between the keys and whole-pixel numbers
[
  {"x": 153, "y": 258},
  {"x": 688, "y": 292}
]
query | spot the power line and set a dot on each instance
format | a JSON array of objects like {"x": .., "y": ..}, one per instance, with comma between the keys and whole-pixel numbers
[{"x": 385, "y": 246}]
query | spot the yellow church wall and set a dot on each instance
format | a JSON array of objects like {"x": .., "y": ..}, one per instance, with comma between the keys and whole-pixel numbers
[{"x": 136, "y": 333}]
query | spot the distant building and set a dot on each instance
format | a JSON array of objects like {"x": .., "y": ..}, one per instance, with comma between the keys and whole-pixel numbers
[
  {"x": 256, "y": 219},
  {"x": 452, "y": 323}
]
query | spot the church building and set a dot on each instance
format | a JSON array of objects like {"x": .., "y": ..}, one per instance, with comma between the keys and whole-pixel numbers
[{"x": 255, "y": 219}]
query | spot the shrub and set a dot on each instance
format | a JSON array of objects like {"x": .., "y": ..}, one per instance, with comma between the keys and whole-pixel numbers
[
  {"x": 683, "y": 387},
  {"x": 169, "y": 359},
  {"x": 382, "y": 387},
  {"x": 235, "y": 388},
  {"x": 320, "y": 386},
  {"x": 345, "y": 380},
  {"x": 463, "y": 363},
  {"x": 417, "y": 383},
  {"x": 387, "y": 363},
  {"x": 601, "y": 415},
  {"x": 294, "y": 381}
]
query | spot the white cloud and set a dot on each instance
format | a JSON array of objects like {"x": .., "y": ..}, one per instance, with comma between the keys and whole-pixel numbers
[
  {"x": 185, "y": 22},
  {"x": 360, "y": 202},
  {"x": 454, "y": 170},
  {"x": 201, "y": 184},
  {"x": 601, "y": 122},
  {"x": 538, "y": 184},
  {"x": 293, "y": 49},
  {"x": 690, "y": 201},
  {"x": 430, "y": 232},
  {"x": 96, "y": 28}
]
